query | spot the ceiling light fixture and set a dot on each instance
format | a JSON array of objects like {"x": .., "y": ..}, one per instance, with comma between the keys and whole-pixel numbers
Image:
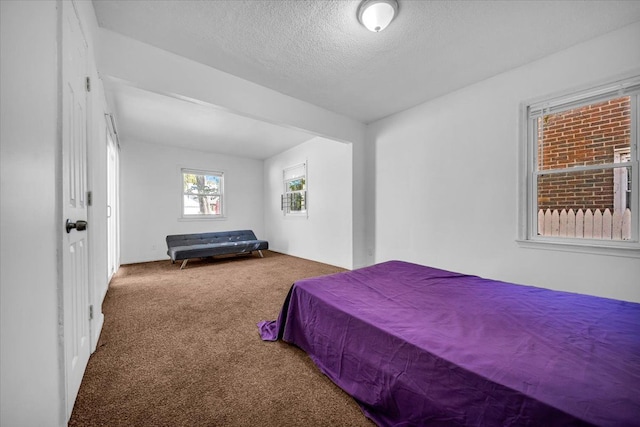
[{"x": 376, "y": 15}]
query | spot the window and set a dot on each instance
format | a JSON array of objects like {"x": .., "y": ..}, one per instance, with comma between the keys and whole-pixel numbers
[
  {"x": 202, "y": 194},
  {"x": 580, "y": 154},
  {"x": 294, "y": 199}
]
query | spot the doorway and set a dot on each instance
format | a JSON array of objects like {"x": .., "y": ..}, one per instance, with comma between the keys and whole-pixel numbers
[{"x": 113, "y": 226}]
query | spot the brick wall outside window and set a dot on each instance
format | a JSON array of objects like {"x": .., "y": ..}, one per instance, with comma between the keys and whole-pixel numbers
[{"x": 582, "y": 136}]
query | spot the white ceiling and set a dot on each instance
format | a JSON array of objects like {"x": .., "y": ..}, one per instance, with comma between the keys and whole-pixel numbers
[
  {"x": 166, "y": 120},
  {"x": 316, "y": 51}
]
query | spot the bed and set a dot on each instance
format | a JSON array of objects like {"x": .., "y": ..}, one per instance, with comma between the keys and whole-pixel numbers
[{"x": 415, "y": 345}]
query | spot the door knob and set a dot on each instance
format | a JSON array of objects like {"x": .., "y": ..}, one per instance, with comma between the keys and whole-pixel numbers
[{"x": 78, "y": 225}]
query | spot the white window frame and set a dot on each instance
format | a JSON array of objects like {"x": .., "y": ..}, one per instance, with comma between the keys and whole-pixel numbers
[
  {"x": 285, "y": 188},
  {"x": 530, "y": 111},
  {"x": 621, "y": 179},
  {"x": 220, "y": 193}
]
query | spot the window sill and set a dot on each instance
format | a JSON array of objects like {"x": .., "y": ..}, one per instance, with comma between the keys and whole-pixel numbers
[
  {"x": 596, "y": 247},
  {"x": 297, "y": 215},
  {"x": 202, "y": 218}
]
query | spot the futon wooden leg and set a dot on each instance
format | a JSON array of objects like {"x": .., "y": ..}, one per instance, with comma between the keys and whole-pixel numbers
[
  {"x": 260, "y": 252},
  {"x": 184, "y": 263}
]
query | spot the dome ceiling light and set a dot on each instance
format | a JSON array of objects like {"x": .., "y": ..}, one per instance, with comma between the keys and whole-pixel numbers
[{"x": 376, "y": 15}]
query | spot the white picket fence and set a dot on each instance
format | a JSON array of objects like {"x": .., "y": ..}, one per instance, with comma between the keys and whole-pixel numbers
[{"x": 585, "y": 224}]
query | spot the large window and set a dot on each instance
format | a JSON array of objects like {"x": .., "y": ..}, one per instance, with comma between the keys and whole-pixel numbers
[
  {"x": 581, "y": 161},
  {"x": 294, "y": 198},
  {"x": 202, "y": 193}
]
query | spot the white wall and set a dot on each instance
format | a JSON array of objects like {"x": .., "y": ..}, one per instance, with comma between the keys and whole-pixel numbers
[
  {"x": 31, "y": 386},
  {"x": 325, "y": 235},
  {"x": 150, "y": 190},
  {"x": 447, "y": 179},
  {"x": 363, "y": 195}
]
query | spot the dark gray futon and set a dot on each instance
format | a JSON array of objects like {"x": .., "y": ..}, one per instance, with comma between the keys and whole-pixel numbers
[{"x": 201, "y": 245}]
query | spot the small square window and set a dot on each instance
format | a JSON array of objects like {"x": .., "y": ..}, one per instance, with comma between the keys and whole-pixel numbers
[{"x": 202, "y": 194}]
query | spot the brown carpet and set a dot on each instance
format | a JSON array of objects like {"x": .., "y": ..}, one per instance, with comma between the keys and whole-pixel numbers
[{"x": 181, "y": 348}]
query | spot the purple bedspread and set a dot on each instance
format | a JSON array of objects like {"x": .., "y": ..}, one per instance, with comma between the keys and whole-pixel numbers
[{"x": 416, "y": 346}]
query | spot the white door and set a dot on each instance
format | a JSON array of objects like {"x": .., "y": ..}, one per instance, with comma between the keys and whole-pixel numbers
[{"x": 75, "y": 278}]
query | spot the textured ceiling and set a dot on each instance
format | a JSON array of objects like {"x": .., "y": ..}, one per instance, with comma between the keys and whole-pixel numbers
[{"x": 316, "y": 51}]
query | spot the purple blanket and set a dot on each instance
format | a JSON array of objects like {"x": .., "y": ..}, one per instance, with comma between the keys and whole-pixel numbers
[{"x": 420, "y": 346}]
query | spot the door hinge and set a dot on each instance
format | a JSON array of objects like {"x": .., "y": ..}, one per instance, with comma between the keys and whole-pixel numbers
[
  {"x": 89, "y": 198},
  {"x": 91, "y": 312},
  {"x": 88, "y": 84}
]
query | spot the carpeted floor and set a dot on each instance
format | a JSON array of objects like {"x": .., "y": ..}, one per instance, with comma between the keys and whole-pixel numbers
[{"x": 181, "y": 348}]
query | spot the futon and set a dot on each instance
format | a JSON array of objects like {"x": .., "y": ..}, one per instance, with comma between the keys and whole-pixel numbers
[
  {"x": 200, "y": 245},
  {"x": 420, "y": 346}
]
